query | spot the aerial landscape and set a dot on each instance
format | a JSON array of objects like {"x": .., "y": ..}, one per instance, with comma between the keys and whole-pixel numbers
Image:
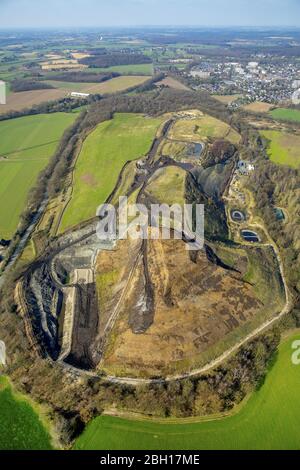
[{"x": 149, "y": 227}]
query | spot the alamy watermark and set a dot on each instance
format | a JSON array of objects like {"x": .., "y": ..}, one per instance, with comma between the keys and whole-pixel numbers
[
  {"x": 2, "y": 92},
  {"x": 159, "y": 221}
]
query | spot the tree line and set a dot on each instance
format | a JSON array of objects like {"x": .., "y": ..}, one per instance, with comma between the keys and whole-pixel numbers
[
  {"x": 82, "y": 77},
  {"x": 113, "y": 59},
  {"x": 20, "y": 84}
]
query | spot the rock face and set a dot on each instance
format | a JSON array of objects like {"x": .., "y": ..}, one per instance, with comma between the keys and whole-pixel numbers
[
  {"x": 44, "y": 301},
  {"x": 61, "y": 300},
  {"x": 85, "y": 326}
]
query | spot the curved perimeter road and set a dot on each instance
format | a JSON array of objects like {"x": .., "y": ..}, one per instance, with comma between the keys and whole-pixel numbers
[{"x": 219, "y": 360}]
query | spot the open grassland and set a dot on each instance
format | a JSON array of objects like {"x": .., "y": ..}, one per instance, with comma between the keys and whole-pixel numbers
[
  {"x": 20, "y": 426},
  {"x": 63, "y": 65},
  {"x": 172, "y": 83},
  {"x": 258, "y": 107},
  {"x": 201, "y": 128},
  {"x": 167, "y": 186},
  {"x": 269, "y": 420},
  {"x": 283, "y": 147},
  {"x": 110, "y": 86},
  {"x": 286, "y": 114},
  {"x": 104, "y": 153},
  {"x": 26, "y": 145},
  {"x": 27, "y": 99}
]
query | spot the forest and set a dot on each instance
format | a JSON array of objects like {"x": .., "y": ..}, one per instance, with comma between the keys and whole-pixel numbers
[
  {"x": 28, "y": 85},
  {"x": 112, "y": 59}
]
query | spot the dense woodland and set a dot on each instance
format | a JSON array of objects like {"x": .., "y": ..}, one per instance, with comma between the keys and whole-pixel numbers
[
  {"x": 82, "y": 77},
  {"x": 28, "y": 85},
  {"x": 109, "y": 60}
]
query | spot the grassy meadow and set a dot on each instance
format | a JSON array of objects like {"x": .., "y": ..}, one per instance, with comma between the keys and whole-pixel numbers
[
  {"x": 258, "y": 107},
  {"x": 26, "y": 145},
  {"x": 20, "y": 425},
  {"x": 286, "y": 114},
  {"x": 283, "y": 148},
  {"x": 167, "y": 186},
  {"x": 110, "y": 86},
  {"x": 104, "y": 153},
  {"x": 268, "y": 420},
  {"x": 202, "y": 128}
]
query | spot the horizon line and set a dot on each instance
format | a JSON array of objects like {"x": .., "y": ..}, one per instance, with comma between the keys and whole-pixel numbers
[{"x": 136, "y": 26}]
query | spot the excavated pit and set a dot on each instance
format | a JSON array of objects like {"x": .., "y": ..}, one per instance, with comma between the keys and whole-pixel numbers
[{"x": 82, "y": 353}]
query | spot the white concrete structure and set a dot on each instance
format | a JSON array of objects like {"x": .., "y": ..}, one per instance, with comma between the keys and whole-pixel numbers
[
  {"x": 296, "y": 84},
  {"x": 245, "y": 167},
  {"x": 2, "y": 92},
  {"x": 200, "y": 74},
  {"x": 2, "y": 353},
  {"x": 253, "y": 65},
  {"x": 76, "y": 94}
]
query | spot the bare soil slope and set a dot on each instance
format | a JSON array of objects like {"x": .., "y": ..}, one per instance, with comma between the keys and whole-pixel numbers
[{"x": 196, "y": 304}]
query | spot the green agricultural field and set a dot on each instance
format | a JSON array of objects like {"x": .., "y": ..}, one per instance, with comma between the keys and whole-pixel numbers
[
  {"x": 106, "y": 150},
  {"x": 110, "y": 86},
  {"x": 269, "y": 420},
  {"x": 26, "y": 145},
  {"x": 286, "y": 114},
  {"x": 20, "y": 426},
  {"x": 283, "y": 148}
]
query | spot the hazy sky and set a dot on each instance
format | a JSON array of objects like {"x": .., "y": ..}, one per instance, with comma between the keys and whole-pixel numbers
[{"x": 41, "y": 13}]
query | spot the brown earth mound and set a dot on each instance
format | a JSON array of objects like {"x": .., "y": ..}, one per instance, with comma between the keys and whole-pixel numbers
[{"x": 177, "y": 308}]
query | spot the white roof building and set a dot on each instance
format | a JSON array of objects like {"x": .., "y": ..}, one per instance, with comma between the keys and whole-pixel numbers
[
  {"x": 245, "y": 167},
  {"x": 76, "y": 94},
  {"x": 2, "y": 354},
  {"x": 296, "y": 84},
  {"x": 200, "y": 74},
  {"x": 2, "y": 92}
]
